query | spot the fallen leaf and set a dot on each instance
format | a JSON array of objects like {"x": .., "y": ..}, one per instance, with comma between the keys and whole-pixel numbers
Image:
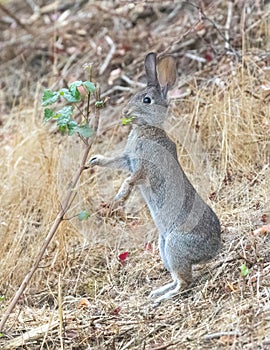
[
  {"x": 226, "y": 339},
  {"x": 208, "y": 57},
  {"x": 264, "y": 218},
  {"x": 83, "y": 303},
  {"x": 261, "y": 230},
  {"x": 123, "y": 258},
  {"x": 253, "y": 279}
]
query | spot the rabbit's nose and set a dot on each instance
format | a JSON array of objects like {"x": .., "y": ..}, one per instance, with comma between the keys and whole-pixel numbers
[{"x": 125, "y": 110}]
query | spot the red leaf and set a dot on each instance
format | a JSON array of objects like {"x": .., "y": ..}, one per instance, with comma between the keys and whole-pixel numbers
[
  {"x": 208, "y": 57},
  {"x": 122, "y": 257}
]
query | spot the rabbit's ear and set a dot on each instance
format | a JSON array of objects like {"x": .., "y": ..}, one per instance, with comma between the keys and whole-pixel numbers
[
  {"x": 167, "y": 73},
  {"x": 150, "y": 69}
]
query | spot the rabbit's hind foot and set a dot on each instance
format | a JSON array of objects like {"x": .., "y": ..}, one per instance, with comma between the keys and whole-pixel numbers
[
  {"x": 168, "y": 291},
  {"x": 162, "y": 290}
]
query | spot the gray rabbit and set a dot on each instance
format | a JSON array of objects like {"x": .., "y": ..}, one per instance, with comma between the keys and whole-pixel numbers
[{"x": 189, "y": 230}]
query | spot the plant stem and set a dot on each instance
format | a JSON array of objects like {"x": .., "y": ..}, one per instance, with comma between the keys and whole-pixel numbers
[{"x": 59, "y": 218}]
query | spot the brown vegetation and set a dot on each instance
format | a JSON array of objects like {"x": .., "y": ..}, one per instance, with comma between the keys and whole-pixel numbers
[{"x": 220, "y": 121}]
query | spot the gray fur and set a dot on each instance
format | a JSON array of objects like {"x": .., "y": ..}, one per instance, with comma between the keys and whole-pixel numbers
[{"x": 189, "y": 230}]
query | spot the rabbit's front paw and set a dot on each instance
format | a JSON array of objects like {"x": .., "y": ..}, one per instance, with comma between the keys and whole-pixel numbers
[
  {"x": 96, "y": 160},
  {"x": 124, "y": 191}
]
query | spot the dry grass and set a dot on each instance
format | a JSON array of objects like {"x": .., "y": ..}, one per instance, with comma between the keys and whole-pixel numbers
[{"x": 222, "y": 132}]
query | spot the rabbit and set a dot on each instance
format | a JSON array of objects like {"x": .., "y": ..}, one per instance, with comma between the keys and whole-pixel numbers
[{"x": 189, "y": 230}]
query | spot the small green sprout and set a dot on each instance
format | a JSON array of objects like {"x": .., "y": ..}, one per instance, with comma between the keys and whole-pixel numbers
[
  {"x": 127, "y": 121},
  {"x": 100, "y": 104},
  {"x": 83, "y": 215},
  {"x": 244, "y": 270}
]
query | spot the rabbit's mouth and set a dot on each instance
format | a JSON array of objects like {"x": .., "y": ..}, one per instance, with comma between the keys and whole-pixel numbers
[{"x": 133, "y": 120}]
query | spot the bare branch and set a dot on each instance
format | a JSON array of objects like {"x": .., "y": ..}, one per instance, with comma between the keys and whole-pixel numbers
[
  {"x": 109, "y": 56},
  {"x": 228, "y": 25},
  {"x": 221, "y": 334}
]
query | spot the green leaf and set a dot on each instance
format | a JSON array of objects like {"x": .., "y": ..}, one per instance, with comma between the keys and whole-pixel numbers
[
  {"x": 66, "y": 111},
  {"x": 64, "y": 118},
  {"x": 1, "y": 335},
  {"x": 72, "y": 127},
  {"x": 83, "y": 215},
  {"x": 244, "y": 270},
  {"x": 49, "y": 97},
  {"x": 100, "y": 104},
  {"x": 90, "y": 87},
  {"x": 48, "y": 114},
  {"x": 69, "y": 96},
  {"x": 2, "y": 297},
  {"x": 73, "y": 87},
  {"x": 85, "y": 130},
  {"x": 126, "y": 121}
]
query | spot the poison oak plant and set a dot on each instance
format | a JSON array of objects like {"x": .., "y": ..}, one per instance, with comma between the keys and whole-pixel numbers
[
  {"x": 63, "y": 116},
  {"x": 77, "y": 97}
]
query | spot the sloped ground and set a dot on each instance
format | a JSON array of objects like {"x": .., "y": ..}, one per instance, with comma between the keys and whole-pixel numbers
[{"x": 220, "y": 120}]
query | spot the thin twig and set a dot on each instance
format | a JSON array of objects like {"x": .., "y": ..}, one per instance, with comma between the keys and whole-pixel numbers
[
  {"x": 115, "y": 88},
  {"x": 60, "y": 310},
  {"x": 195, "y": 57},
  {"x": 215, "y": 25},
  {"x": 228, "y": 25},
  {"x": 58, "y": 220},
  {"x": 255, "y": 24},
  {"x": 131, "y": 82},
  {"x": 109, "y": 56},
  {"x": 221, "y": 334}
]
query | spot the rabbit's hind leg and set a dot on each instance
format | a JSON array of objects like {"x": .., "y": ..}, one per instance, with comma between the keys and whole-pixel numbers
[
  {"x": 164, "y": 289},
  {"x": 181, "y": 279}
]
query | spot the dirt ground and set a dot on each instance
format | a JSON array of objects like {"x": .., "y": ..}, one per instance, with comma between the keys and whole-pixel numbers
[{"x": 91, "y": 287}]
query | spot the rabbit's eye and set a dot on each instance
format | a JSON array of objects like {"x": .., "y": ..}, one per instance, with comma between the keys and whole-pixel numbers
[{"x": 147, "y": 100}]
